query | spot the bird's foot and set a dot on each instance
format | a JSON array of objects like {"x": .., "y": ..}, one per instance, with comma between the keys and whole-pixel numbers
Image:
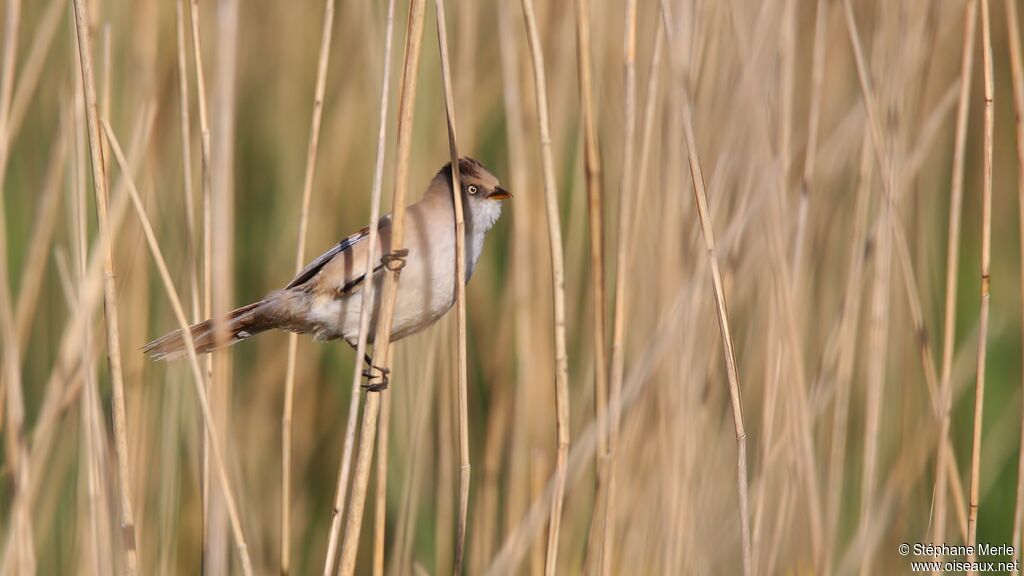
[
  {"x": 395, "y": 260},
  {"x": 376, "y": 376}
]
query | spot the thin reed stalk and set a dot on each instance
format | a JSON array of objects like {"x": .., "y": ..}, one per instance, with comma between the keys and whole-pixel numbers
[
  {"x": 523, "y": 246},
  {"x": 89, "y": 400},
  {"x": 986, "y": 259},
  {"x": 207, "y": 182},
  {"x": 380, "y": 512},
  {"x": 557, "y": 290},
  {"x": 338, "y": 511},
  {"x": 389, "y": 290},
  {"x": 179, "y": 315},
  {"x": 186, "y": 157},
  {"x": 595, "y": 210},
  {"x": 15, "y": 446},
  {"x": 956, "y": 195},
  {"x": 1017, "y": 78},
  {"x": 460, "y": 291},
  {"x": 110, "y": 310},
  {"x": 707, "y": 229},
  {"x": 623, "y": 249},
  {"x": 222, "y": 217},
  {"x": 813, "y": 124},
  {"x": 300, "y": 258}
]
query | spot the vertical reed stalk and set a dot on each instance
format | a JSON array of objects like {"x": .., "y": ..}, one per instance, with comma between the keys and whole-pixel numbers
[
  {"x": 204, "y": 141},
  {"x": 523, "y": 246},
  {"x": 813, "y": 122},
  {"x": 592, "y": 174},
  {"x": 109, "y": 288},
  {"x": 222, "y": 216},
  {"x": 186, "y": 158},
  {"x": 389, "y": 290},
  {"x": 557, "y": 289},
  {"x": 460, "y": 290},
  {"x": 623, "y": 249},
  {"x": 707, "y": 229},
  {"x": 300, "y": 257},
  {"x": 16, "y": 450},
  {"x": 986, "y": 258},
  {"x": 956, "y": 195},
  {"x": 1017, "y": 72},
  {"x": 179, "y": 315},
  {"x": 381, "y": 497},
  {"x": 364, "y": 310}
]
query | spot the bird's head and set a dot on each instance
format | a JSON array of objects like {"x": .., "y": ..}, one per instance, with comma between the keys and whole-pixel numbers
[{"x": 481, "y": 193}]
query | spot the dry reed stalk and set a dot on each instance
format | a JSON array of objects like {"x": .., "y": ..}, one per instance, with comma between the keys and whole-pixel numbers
[
  {"x": 364, "y": 312},
  {"x": 813, "y": 124},
  {"x": 848, "y": 329},
  {"x": 537, "y": 475},
  {"x": 557, "y": 289},
  {"x": 58, "y": 397},
  {"x": 15, "y": 446},
  {"x": 109, "y": 289},
  {"x": 424, "y": 403},
  {"x": 186, "y": 157},
  {"x": 380, "y": 512},
  {"x": 623, "y": 249},
  {"x": 382, "y": 339},
  {"x": 707, "y": 229},
  {"x": 1017, "y": 73},
  {"x": 222, "y": 215},
  {"x": 300, "y": 259},
  {"x": 522, "y": 246},
  {"x": 179, "y": 315},
  {"x": 595, "y": 222},
  {"x": 646, "y": 138},
  {"x": 88, "y": 401},
  {"x": 207, "y": 184},
  {"x": 953, "y": 266},
  {"x": 519, "y": 540},
  {"x": 460, "y": 291},
  {"x": 986, "y": 258}
]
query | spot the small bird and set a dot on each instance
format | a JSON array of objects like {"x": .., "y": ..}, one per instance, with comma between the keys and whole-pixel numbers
[{"x": 326, "y": 297}]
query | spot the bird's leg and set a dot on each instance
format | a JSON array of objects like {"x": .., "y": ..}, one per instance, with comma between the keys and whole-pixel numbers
[
  {"x": 377, "y": 376},
  {"x": 374, "y": 372}
]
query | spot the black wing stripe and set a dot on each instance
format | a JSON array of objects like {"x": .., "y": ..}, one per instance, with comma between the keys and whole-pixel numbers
[
  {"x": 351, "y": 285},
  {"x": 311, "y": 270}
]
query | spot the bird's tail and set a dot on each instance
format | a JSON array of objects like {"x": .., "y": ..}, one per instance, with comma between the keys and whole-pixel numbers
[{"x": 240, "y": 324}]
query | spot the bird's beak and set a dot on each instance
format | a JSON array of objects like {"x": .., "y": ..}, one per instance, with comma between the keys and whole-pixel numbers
[{"x": 499, "y": 194}]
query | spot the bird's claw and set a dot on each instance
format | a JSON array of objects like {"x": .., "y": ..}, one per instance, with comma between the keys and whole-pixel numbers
[
  {"x": 395, "y": 260},
  {"x": 377, "y": 378}
]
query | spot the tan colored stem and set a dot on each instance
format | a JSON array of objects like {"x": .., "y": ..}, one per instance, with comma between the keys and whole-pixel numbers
[
  {"x": 460, "y": 291},
  {"x": 986, "y": 259},
  {"x": 179, "y": 315},
  {"x": 1017, "y": 72},
  {"x": 337, "y": 512},
  {"x": 557, "y": 290},
  {"x": 956, "y": 195},
  {"x": 382, "y": 339},
  {"x": 109, "y": 289},
  {"x": 300, "y": 258},
  {"x": 623, "y": 249}
]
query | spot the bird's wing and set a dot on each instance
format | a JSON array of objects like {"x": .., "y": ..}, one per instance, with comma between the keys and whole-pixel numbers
[{"x": 353, "y": 247}]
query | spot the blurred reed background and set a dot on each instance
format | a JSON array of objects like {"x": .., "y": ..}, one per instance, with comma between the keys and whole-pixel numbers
[{"x": 853, "y": 326}]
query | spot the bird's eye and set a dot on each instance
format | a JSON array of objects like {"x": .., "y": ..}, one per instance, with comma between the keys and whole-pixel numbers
[{"x": 472, "y": 189}]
